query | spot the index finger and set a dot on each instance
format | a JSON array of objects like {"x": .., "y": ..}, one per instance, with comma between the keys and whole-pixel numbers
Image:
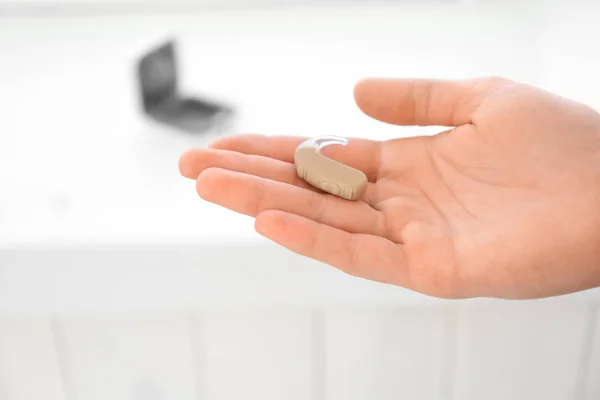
[{"x": 362, "y": 154}]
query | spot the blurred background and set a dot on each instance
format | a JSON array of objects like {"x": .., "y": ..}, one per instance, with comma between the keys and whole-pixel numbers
[{"x": 118, "y": 282}]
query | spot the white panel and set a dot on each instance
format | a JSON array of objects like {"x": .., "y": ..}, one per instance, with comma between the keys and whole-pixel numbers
[
  {"x": 196, "y": 276},
  {"x": 29, "y": 368},
  {"x": 255, "y": 356},
  {"x": 384, "y": 355},
  {"x": 592, "y": 390},
  {"x": 519, "y": 350},
  {"x": 131, "y": 359}
]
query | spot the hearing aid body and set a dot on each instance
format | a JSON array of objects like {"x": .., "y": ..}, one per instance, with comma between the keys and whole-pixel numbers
[{"x": 326, "y": 174}]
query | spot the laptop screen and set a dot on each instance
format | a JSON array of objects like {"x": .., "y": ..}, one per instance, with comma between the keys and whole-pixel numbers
[{"x": 157, "y": 74}]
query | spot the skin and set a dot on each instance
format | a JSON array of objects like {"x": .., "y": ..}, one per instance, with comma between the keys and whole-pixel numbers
[{"x": 504, "y": 203}]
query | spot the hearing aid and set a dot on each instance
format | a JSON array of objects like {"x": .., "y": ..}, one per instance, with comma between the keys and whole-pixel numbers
[{"x": 326, "y": 174}]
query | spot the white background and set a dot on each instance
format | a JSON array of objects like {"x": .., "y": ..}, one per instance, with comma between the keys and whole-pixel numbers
[{"x": 117, "y": 282}]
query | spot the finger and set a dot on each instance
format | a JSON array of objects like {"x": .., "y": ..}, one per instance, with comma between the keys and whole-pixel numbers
[
  {"x": 194, "y": 162},
  {"x": 361, "y": 154},
  {"x": 423, "y": 101},
  {"x": 251, "y": 195},
  {"x": 362, "y": 255}
]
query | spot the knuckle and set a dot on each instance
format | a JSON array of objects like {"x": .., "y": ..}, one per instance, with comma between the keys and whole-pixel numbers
[{"x": 497, "y": 81}]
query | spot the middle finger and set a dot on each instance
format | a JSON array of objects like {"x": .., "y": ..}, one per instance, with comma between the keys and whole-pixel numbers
[{"x": 194, "y": 162}]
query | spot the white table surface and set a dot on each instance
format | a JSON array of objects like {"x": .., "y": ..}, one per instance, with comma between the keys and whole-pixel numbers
[{"x": 80, "y": 167}]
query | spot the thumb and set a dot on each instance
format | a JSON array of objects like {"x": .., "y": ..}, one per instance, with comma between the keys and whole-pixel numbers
[{"x": 424, "y": 101}]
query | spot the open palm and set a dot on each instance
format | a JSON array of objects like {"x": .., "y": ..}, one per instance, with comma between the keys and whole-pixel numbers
[{"x": 505, "y": 203}]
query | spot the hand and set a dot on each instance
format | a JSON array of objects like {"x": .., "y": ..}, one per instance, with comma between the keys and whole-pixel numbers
[{"x": 505, "y": 203}]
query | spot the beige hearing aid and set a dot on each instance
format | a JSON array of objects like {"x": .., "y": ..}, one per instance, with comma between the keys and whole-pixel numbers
[{"x": 327, "y": 174}]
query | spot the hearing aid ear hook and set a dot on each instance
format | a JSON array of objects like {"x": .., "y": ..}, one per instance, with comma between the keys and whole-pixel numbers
[{"x": 326, "y": 174}]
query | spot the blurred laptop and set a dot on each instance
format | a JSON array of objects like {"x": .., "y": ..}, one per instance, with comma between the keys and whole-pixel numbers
[{"x": 163, "y": 101}]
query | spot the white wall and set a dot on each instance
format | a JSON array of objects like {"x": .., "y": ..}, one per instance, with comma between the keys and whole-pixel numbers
[{"x": 116, "y": 282}]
